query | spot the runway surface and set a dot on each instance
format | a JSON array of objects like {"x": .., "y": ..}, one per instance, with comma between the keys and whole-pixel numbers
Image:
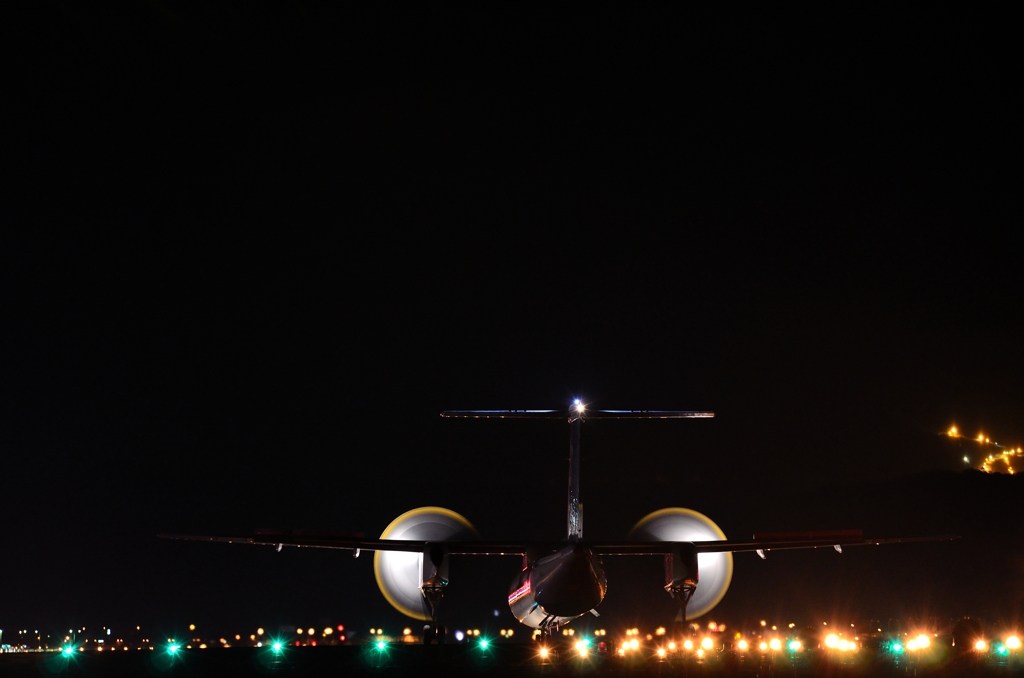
[{"x": 463, "y": 660}]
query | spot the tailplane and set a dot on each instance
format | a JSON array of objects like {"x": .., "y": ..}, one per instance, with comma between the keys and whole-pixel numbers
[{"x": 577, "y": 412}]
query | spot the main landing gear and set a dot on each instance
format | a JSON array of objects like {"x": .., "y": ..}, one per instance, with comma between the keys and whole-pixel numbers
[
  {"x": 681, "y": 575},
  {"x": 433, "y": 634},
  {"x": 433, "y": 591}
]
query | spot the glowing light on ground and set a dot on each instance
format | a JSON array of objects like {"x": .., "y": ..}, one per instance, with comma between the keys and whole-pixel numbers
[{"x": 1000, "y": 460}]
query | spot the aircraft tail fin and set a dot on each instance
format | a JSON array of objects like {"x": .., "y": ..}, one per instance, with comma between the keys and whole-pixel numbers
[{"x": 574, "y": 514}]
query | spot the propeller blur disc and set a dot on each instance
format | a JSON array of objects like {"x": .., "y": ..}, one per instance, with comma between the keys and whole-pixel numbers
[
  {"x": 398, "y": 573},
  {"x": 714, "y": 569}
]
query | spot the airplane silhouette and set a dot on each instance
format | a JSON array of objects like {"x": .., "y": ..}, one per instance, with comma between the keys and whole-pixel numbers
[{"x": 558, "y": 582}]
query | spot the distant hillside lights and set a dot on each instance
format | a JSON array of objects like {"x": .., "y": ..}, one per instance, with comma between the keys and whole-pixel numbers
[{"x": 1000, "y": 461}]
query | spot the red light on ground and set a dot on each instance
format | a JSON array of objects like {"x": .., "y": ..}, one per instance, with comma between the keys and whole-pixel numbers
[
  {"x": 313, "y": 643},
  {"x": 341, "y": 627},
  {"x": 297, "y": 644}
]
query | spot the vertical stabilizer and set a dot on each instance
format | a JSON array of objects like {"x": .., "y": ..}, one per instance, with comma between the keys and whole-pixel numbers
[
  {"x": 574, "y": 515},
  {"x": 574, "y": 518}
]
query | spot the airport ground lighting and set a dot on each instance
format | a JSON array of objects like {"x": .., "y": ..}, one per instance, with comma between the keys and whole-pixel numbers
[{"x": 999, "y": 460}]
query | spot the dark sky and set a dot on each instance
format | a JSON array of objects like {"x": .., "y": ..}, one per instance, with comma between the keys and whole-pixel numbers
[{"x": 253, "y": 249}]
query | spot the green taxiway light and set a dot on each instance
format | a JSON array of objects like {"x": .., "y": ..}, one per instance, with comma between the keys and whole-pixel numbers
[
  {"x": 897, "y": 648},
  {"x": 1001, "y": 649},
  {"x": 172, "y": 649},
  {"x": 277, "y": 647},
  {"x": 68, "y": 651},
  {"x": 381, "y": 644},
  {"x": 484, "y": 643}
]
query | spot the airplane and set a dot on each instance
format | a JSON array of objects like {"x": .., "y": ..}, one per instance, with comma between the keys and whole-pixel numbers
[{"x": 557, "y": 582}]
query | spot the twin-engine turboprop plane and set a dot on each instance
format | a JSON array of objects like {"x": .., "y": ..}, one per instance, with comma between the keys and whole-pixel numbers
[{"x": 558, "y": 582}]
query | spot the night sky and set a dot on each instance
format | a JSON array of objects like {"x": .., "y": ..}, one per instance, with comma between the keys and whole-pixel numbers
[{"x": 252, "y": 250}]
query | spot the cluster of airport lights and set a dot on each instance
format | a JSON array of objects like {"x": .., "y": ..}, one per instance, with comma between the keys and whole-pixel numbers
[
  {"x": 768, "y": 642},
  {"x": 696, "y": 647},
  {"x": 259, "y": 639},
  {"x": 988, "y": 464},
  {"x": 700, "y": 647},
  {"x": 922, "y": 643},
  {"x": 659, "y": 645}
]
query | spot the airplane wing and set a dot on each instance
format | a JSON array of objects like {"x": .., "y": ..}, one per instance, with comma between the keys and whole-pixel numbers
[
  {"x": 357, "y": 543},
  {"x": 354, "y": 542},
  {"x": 762, "y": 543}
]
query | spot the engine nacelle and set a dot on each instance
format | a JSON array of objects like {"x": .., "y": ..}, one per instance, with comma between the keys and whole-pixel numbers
[
  {"x": 414, "y": 582},
  {"x": 687, "y": 525}
]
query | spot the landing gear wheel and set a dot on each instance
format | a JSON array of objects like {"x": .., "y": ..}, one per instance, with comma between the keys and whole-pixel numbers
[{"x": 433, "y": 633}]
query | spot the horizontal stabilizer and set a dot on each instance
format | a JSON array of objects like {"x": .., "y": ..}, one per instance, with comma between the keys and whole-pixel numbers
[
  {"x": 589, "y": 414},
  {"x": 504, "y": 414},
  {"x": 649, "y": 414}
]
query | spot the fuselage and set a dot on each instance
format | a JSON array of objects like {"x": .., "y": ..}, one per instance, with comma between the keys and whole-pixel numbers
[{"x": 557, "y": 585}]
